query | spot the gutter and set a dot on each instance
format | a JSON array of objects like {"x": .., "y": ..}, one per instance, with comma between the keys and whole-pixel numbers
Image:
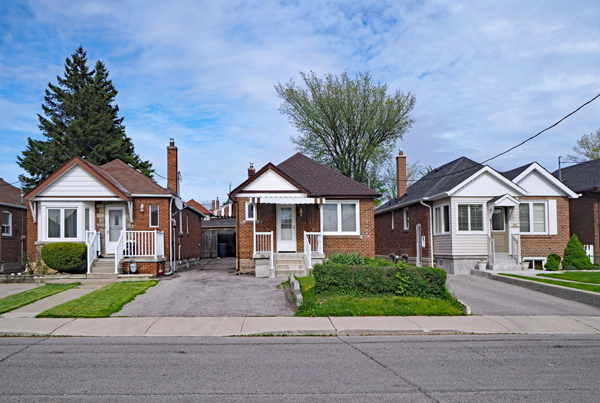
[
  {"x": 430, "y": 231},
  {"x": 171, "y": 271}
]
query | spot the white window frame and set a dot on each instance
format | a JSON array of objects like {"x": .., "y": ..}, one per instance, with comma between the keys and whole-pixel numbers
[
  {"x": 392, "y": 219},
  {"x": 406, "y": 218},
  {"x": 531, "y": 226},
  {"x": 80, "y": 206},
  {"x": 442, "y": 220},
  {"x": 534, "y": 259},
  {"x": 248, "y": 218},
  {"x": 339, "y": 217},
  {"x": 187, "y": 223},
  {"x": 9, "y": 233},
  {"x": 504, "y": 214},
  {"x": 470, "y": 231},
  {"x": 150, "y": 216}
]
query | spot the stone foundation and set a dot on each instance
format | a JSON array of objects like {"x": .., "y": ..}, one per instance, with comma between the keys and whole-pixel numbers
[{"x": 458, "y": 265}]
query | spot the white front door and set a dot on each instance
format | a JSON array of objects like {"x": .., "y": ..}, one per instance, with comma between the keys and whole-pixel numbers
[
  {"x": 114, "y": 223},
  {"x": 286, "y": 228}
]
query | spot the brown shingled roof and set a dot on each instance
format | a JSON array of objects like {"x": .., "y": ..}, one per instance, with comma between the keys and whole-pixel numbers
[
  {"x": 194, "y": 204},
  {"x": 131, "y": 179},
  {"x": 9, "y": 194}
]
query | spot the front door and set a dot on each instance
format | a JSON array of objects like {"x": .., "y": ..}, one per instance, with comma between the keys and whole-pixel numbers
[
  {"x": 114, "y": 224},
  {"x": 499, "y": 230},
  {"x": 286, "y": 228}
]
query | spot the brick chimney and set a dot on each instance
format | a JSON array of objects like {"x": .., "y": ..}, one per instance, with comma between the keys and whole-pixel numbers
[
  {"x": 251, "y": 170},
  {"x": 172, "y": 172},
  {"x": 401, "y": 173},
  {"x": 217, "y": 205},
  {"x": 213, "y": 207}
]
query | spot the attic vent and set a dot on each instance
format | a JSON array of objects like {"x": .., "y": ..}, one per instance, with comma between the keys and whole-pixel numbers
[{"x": 130, "y": 165}]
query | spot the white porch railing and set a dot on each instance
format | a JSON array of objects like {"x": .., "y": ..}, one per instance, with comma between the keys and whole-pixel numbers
[
  {"x": 491, "y": 250},
  {"x": 315, "y": 239},
  {"x": 589, "y": 251},
  {"x": 515, "y": 252},
  {"x": 139, "y": 244},
  {"x": 307, "y": 252},
  {"x": 92, "y": 241},
  {"x": 263, "y": 243}
]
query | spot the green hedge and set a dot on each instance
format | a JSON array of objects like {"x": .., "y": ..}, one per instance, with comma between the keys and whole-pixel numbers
[
  {"x": 65, "y": 257},
  {"x": 553, "y": 262},
  {"x": 379, "y": 277}
]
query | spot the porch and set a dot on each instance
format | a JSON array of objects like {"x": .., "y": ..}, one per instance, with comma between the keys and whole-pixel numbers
[{"x": 503, "y": 240}]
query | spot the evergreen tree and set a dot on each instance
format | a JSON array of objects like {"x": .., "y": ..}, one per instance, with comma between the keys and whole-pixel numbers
[{"x": 80, "y": 119}]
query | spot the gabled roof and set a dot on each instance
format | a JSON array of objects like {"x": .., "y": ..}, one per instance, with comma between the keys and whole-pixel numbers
[
  {"x": 10, "y": 195},
  {"x": 534, "y": 166},
  {"x": 581, "y": 177},
  {"x": 513, "y": 173},
  {"x": 314, "y": 179},
  {"x": 122, "y": 179},
  {"x": 440, "y": 180},
  {"x": 198, "y": 207}
]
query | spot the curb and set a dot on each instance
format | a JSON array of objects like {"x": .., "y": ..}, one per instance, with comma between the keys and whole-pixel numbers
[
  {"x": 464, "y": 306},
  {"x": 296, "y": 290},
  {"x": 585, "y": 297}
]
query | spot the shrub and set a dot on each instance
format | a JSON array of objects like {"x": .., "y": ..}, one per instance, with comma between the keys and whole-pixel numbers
[
  {"x": 553, "y": 262},
  {"x": 66, "y": 257},
  {"x": 575, "y": 256},
  {"x": 420, "y": 281},
  {"x": 596, "y": 266},
  {"x": 353, "y": 259}
]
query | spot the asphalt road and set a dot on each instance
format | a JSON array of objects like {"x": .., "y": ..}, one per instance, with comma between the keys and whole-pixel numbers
[
  {"x": 306, "y": 369},
  {"x": 490, "y": 297},
  {"x": 212, "y": 289}
]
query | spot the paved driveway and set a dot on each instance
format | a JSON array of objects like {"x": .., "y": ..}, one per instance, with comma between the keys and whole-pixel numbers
[
  {"x": 212, "y": 289},
  {"x": 490, "y": 297}
]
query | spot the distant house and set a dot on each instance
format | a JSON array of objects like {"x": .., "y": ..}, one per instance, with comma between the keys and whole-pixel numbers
[
  {"x": 292, "y": 215},
  {"x": 199, "y": 207},
  {"x": 463, "y": 212},
  {"x": 14, "y": 229},
  {"x": 584, "y": 178},
  {"x": 119, "y": 213}
]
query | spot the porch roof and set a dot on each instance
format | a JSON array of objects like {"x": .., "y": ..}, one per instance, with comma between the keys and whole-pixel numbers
[{"x": 287, "y": 199}]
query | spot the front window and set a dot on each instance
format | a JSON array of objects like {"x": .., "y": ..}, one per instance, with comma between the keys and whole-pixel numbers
[
  {"x": 340, "y": 217},
  {"x": 441, "y": 219},
  {"x": 249, "y": 211},
  {"x": 406, "y": 219},
  {"x": 62, "y": 223},
  {"x": 6, "y": 223},
  {"x": 470, "y": 217},
  {"x": 154, "y": 215},
  {"x": 532, "y": 217}
]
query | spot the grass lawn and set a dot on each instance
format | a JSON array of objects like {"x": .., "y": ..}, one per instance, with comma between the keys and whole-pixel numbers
[
  {"x": 581, "y": 276},
  {"x": 343, "y": 305},
  {"x": 100, "y": 303},
  {"x": 27, "y": 297},
  {"x": 585, "y": 287}
]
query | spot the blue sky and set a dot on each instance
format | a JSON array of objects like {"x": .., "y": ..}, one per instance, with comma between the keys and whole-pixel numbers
[{"x": 486, "y": 75}]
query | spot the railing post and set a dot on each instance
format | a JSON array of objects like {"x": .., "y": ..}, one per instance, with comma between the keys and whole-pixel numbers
[
  {"x": 155, "y": 244},
  {"x": 272, "y": 269}
]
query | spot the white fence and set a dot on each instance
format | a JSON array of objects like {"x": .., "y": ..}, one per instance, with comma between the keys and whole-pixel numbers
[
  {"x": 263, "y": 243},
  {"x": 139, "y": 244},
  {"x": 92, "y": 241},
  {"x": 589, "y": 250}
]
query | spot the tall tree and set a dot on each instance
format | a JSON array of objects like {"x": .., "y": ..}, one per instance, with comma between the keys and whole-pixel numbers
[
  {"x": 587, "y": 148},
  {"x": 80, "y": 118},
  {"x": 350, "y": 125}
]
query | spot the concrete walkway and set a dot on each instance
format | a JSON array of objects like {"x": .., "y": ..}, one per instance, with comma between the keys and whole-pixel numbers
[{"x": 335, "y": 326}]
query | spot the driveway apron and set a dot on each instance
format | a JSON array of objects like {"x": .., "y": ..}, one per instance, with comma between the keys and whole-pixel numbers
[
  {"x": 212, "y": 289},
  {"x": 490, "y": 297}
]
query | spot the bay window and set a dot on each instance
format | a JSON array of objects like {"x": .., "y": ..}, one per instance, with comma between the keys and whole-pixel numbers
[
  {"x": 65, "y": 221},
  {"x": 470, "y": 217},
  {"x": 340, "y": 217},
  {"x": 62, "y": 222}
]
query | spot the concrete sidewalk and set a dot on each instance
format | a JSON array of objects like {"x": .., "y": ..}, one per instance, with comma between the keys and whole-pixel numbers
[{"x": 293, "y": 326}]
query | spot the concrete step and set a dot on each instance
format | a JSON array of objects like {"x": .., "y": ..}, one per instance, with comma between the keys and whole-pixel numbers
[
  {"x": 289, "y": 267},
  {"x": 102, "y": 275},
  {"x": 103, "y": 270},
  {"x": 287, "y": 273},
  {"x": 506, "y": 267}
]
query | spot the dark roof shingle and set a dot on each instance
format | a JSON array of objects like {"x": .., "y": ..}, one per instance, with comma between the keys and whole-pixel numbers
[
  {"x": 9, "y": 194},
  {"x": 130, "y": 179},
  {"x": 581, "y": 177}
]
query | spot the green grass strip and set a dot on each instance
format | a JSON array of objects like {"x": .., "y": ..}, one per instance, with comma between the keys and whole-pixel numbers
[
  {"x": 344, "y": 305},
  {"x": 578, "y": 286},
  {"x": 15, "y": 301},
  {"x": 100, "y": 303},
  {"x": 580, "y": 276}
]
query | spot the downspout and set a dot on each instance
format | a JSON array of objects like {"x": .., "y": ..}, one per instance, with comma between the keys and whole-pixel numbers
[
  {"x": 430, "y": 232},
  {"x": 237, "y": 235},
  {"x": 170, "y": 230}
]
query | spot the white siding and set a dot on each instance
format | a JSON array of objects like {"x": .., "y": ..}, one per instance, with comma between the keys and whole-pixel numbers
[
  {"x": 442, "y": 244},
  {"x": 536, "y": 185},
  {"x": 270, "y": 181},
  {"x": 467, "y": 244},
  {"x": 552, "y": 217},
  {"x": 484, "y": 184},
  {"x": 76, "y": 182}
]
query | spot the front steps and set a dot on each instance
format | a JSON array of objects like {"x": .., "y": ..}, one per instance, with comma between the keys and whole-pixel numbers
[
  {"x": 290, "y": 263},
  {"x": 103, "y": 267},
  {"x": 504, "y": 262}
]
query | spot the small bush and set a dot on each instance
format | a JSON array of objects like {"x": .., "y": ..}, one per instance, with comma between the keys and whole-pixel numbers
[
  {"x": 352, "y": 259},
  {"x": 596, "y": 266},
  {"x": 575, "y": 256},
  {"x": 553, "y": 262},
  {"x": 65, "y": 257},
  {"x": 420, "y": 282}
]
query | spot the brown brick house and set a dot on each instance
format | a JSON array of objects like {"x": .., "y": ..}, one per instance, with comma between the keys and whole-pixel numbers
[
  {"x": 463, "y": 212},
  {"x": 292, "y": 215},
  {"x": 14, "y": 230},
  {"x": 584, "y": 216},
  {"x": 120, "y": 214}
]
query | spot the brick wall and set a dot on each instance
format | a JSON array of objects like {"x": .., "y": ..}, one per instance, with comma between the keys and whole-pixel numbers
[
  {"x": 584, "y": 219},
  {"x": 191, "y": 240},
  {"x": 398, "y": 240},
  {"x": 543, "y": 245},
  {"x": 32, "y": 233},
  {"x": 12, "y": 244}
]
